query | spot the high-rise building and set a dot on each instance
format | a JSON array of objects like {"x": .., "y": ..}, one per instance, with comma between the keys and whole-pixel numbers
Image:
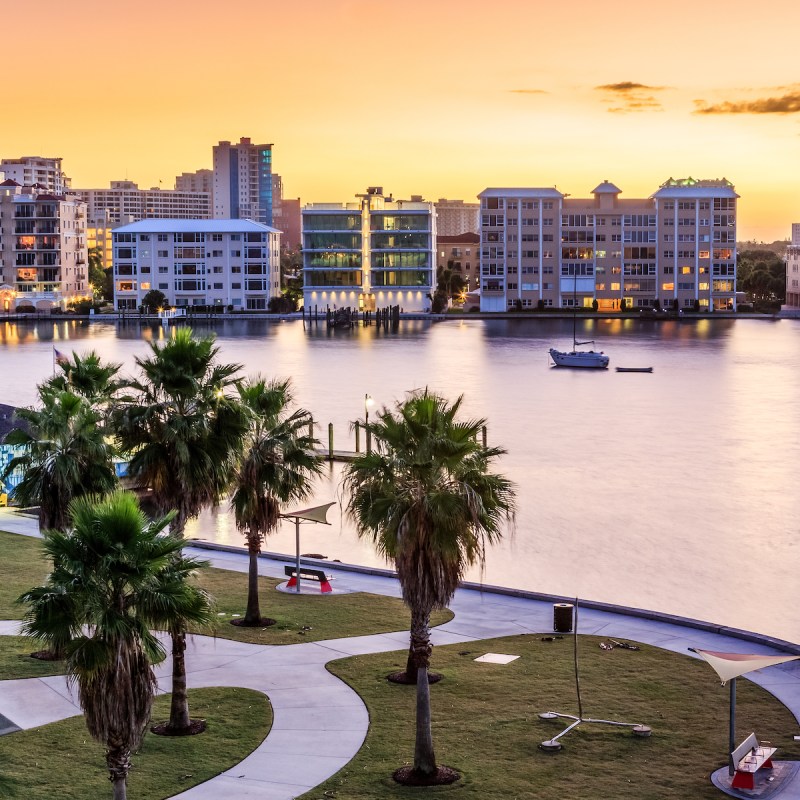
[
  {"x": 36, "y": 171},
  {"x": 229, "y": 262},
  {"x": 454, "y": 217},
  {"x": 796, "y": 233},
  {"x": 43, "y": 258},
  {"x": 200, "y": 181},
  {"x": 541, "y": 248},
  {"x": 243, "y": 181},
  {"x": 369, "y": 254}
]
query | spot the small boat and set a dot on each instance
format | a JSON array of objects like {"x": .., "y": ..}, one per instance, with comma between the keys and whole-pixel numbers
[
  {"x": 634, "y": 369},
  {"x": 582, "y": 359},
  {"x": 586, "y": 359}
]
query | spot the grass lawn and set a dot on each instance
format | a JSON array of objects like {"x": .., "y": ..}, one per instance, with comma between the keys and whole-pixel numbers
[
  {"x": 306, "y": 618},
  {"x": 485, "y": 723},
  {"x": 61, "y": 760}
]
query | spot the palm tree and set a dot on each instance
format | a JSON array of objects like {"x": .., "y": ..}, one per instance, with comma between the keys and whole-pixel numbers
[
  {"x": 183, "y": 428},
  {"x": 114, "y": 578},
  {"x": 86, "y": 375},
  {"x": 427, "y": 499},
  {"x": 277, "y": 466},
  {"x": 65, "y": 455}
]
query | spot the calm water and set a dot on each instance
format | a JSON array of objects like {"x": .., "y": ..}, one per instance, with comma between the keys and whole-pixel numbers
[{"x": 674, "y": 491}]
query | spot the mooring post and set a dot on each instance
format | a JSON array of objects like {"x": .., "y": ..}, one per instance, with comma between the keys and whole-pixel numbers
[
  {"x": 330, "y": 441},
  {"x": 483, "y": 432},
  {"x": 358, "y": 437}
]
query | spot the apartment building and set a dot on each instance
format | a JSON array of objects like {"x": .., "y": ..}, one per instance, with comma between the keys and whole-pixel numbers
[
  {"x": 201, "y": 180},
  {"x": 454, "y": 217},
  {"x": 44, "y": 173},
  {"x": 541, "y": 248},
  {"x": 232, "y": 263},
  {"x": 793, "y": 268},
  {"x": 43, "y": 258},
  {"x": 368, "y": 254},
  {"x": 461, "y": 254},
  {"x": 243, "y": 181}
]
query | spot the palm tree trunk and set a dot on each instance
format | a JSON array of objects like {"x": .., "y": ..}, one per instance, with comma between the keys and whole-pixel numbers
[
  {"x": 419, "y": 649},
  {"x": 118, "y": 760},
  {"x": 420, "y": 652},
  {"x": 253, "y": 614},
  {"x": 179, "y": 706}
]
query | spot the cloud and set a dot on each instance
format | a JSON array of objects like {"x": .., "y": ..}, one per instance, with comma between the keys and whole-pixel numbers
[
  {"x": 528, "y": 91},
  {"x": 625, "y": 97},
  {"x": 785, "y": 104}
]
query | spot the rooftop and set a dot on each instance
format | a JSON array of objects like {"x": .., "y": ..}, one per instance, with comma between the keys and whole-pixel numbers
[{"x": 195, "y": 226}]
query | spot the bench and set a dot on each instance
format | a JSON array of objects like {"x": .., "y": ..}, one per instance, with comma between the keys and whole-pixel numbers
[
  {"x": 308, "y": 575},
  {"x": 750, "y": 756}
]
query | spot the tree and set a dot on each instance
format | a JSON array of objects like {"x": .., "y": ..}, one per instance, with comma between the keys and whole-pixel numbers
[
  {"x": 428, "y": 500},
  {"x": 449, "y": 286},
  {"x": 154, "y": 301},
  {"x": 114, "y": 577},
  {"x": 87, "y": 376},
  {"x": 65, "y": 455},
  {"x": 277, "y": 466},
  {"x": 99, "y": 277},
  {"x": 183, "y": 427}
]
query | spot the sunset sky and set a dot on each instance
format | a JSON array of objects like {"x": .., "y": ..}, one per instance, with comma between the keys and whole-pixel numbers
[{"x": 435, "y": 97}]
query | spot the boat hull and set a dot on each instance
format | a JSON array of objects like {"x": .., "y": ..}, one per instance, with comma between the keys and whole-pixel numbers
[{"x": 579, "y": 359}]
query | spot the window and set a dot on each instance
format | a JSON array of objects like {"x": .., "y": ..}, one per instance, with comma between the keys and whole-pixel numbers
[
  {"x": 144, "y": 237},
  {"x": 163, "y": 237},
  {"x": 163, "y": 253},
  {"x": 216, "y": 237},
  {"x": 236, "y": 286}
]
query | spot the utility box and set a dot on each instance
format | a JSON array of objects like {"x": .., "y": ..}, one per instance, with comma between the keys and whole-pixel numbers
[{"x": 563, "y": 615}]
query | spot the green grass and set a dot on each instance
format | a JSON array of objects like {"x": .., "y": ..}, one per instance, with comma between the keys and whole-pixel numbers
[
  {"x": 485, "y": 723},
  {"x": 306, "y": 618},
  {"x": 61, "y": 760}
]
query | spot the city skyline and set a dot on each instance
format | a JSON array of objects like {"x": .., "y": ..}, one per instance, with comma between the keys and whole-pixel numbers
[{"x": 442, "y": 100}]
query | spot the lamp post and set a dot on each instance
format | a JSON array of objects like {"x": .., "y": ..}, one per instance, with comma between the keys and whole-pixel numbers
[{"x": 368, "y": 401}]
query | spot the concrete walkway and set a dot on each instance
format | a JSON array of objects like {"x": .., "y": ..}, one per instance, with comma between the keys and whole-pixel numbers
[{"x": 319, "y": 722}]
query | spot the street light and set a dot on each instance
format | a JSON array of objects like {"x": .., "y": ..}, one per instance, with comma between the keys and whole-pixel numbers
[{"x": 368, "y": 401}]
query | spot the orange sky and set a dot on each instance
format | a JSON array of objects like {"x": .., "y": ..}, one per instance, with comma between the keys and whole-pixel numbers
[{"x": 433, "y": 97}]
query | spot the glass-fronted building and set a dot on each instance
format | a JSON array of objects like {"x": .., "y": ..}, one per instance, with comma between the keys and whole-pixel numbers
[{"x": 369, "y": 254}]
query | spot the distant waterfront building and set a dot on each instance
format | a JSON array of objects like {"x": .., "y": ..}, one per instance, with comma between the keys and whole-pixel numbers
[
  {"x": 243, "y": 181},
  {"x": 371, "y": 253},
  {"x": 461, "y": 254},
  {"x": 542, "y": 248},
  {"x": 43, "y": 258},
  {"x": 286, "y": 215},
  {"x": 793, "y": 268},
  {"x": 124, "y": 202},
  {"x": 454, "y": 217},
  {"x": 44, "y": 173},
  {"x": 200, "y": 181},
  {"x": 228, "y": 262}
]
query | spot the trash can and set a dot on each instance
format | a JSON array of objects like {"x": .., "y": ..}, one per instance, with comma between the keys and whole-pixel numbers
[{"x": 562, "y": 617}]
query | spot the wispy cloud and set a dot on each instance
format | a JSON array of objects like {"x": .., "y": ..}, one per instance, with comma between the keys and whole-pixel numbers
[
  {"x": 788, "y": 103},
  {"x": 528, "y": 91},
  {"x": 625, "y": 97}
]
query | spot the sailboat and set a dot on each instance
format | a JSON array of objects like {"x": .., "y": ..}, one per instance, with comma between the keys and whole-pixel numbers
[{"x": 584, "y": 359}]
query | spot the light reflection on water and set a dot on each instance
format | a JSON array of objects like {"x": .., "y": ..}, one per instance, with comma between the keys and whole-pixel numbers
[{"x": 674, "y": 491}]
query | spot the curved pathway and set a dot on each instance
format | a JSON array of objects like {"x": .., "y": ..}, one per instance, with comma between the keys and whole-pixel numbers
[{"x": 319, "y": 722}]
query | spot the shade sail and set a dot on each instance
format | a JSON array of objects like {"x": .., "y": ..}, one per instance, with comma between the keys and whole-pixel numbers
[
  {"x": 732, "y": 665},
  {"x": 315, "y": 514}
]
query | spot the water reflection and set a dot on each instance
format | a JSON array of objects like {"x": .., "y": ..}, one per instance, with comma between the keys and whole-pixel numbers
[{"x": 674, "y": 490}]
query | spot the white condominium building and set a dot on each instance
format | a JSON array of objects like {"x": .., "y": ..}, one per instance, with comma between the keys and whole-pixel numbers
[
  {"x": 124, "y": 200},
  {"x": 43, "y": 258},
  {"x": 43, "y": 173},
  {"x": 231, "y": 263},
  {"x": 541, "y": 248},
  {"x": 369, "y": 254}
]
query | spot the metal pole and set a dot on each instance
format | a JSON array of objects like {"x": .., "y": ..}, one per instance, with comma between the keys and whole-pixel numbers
[
  {"x": 732, "y": 728},
  {"x": 575, "y": 660},
  {"x": 297, "y": 561},
  {"x": 330, "y": 441},
  {"x": 358, "y": 436}
]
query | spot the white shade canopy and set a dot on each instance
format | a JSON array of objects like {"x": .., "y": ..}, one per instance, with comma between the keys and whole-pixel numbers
[
  {"x": 732, "y": 665},
  {"x": 314, "y": 514}
]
